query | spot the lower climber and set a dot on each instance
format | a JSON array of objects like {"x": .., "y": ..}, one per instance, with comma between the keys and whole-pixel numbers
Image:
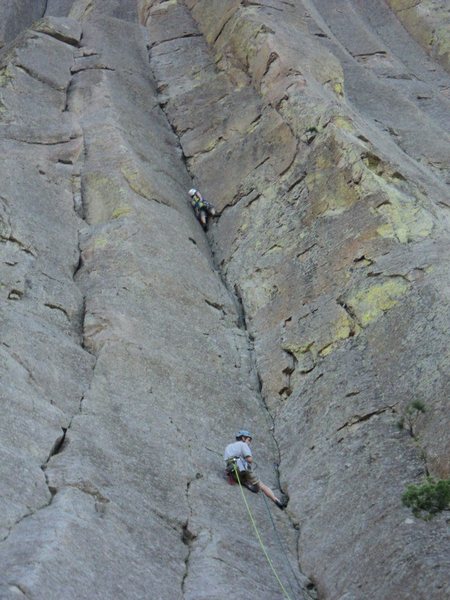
[
  {"x": 238, "y": 456},
  {"x": 202, "y": 208}
]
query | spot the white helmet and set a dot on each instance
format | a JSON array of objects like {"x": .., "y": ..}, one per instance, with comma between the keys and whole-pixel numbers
[{"x": 192, "y": 191}]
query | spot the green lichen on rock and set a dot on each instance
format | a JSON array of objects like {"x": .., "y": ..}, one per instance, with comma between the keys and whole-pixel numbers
[{"x": 371, "y": 303}]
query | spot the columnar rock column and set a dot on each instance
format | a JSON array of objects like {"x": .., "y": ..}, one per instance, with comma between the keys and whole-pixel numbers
[{"x": 144, "y": 372}]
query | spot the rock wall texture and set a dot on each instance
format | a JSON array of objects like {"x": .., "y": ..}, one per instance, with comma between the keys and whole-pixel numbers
[
  {"x": 428, "y": 22},
  {"x": 313, "y": 311}
]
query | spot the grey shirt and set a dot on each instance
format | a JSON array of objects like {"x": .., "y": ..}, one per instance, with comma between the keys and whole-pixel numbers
[{"x": 239, "y": 450}]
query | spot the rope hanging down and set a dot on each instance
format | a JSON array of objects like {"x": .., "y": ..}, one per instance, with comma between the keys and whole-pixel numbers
[
  {"x": 281, "y": 546},
  {"x": 258, "y": 534}
]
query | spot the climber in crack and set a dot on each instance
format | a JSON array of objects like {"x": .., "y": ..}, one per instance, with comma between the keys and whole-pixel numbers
[
  {"x": 238, "y": 457},
  {"x": 202, "y": 208}
]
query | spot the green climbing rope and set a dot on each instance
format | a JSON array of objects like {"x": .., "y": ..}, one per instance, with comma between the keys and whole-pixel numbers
[{"x": 258, "y": 534}]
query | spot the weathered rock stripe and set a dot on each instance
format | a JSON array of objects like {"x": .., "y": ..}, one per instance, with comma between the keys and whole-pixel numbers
[
  {"x": 40, "y": 305},
  {"x": 169, "y": 26}
]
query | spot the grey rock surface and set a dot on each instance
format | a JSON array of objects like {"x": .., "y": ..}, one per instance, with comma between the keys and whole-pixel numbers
[
  {"x": 313, "y": 311},
  {"x": 428, "y": 22},
  {"x": 17, "y": 15}
]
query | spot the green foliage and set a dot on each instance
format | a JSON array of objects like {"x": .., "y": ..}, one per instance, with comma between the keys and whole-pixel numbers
[
  {"x": 428, "y": 498},
  {"x": 410, "y": 415},
  {"x": 417, "y": 406}
]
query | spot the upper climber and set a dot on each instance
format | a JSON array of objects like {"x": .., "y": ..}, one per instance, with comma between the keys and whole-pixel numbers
[
  {"x": 201, "y": 207},
  {"x": 238, "y": 456}
]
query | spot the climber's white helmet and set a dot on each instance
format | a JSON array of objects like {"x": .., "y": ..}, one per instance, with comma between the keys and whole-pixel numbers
[{"x": 192, "y": 191}]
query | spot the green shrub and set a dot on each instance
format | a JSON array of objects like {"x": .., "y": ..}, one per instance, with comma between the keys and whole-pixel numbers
[{"x": 428, "y": 498}]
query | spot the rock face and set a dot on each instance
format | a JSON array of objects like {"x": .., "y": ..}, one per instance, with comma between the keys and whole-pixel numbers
[
  {"x": 429, "y": 23},
  {"x": 17, "y": 15},
  {"x": 314, "y": 310}
]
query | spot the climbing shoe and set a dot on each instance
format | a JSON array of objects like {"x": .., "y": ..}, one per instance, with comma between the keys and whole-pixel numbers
[
  {"x": 252, "y": 488},
  {"x": 281, "y": 504}
]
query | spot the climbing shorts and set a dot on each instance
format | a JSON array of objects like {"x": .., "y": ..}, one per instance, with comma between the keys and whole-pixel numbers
[{"x": 249, "y": 478}]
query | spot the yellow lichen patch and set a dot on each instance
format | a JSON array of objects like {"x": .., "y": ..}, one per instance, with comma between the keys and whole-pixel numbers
[
  {"x": 370, "y": 304},
  {"x": 328, "y": 349},
  {"x": 405, "y": 219},
  {"x": 340, "y": 331},
  {"x": 305, "y": 355},
  {"x": 328, "y": 340},
  {"x": 297, "y": 350},
  {"x": 338, "y": 88},
  {"x": 333, "y": 177},
  {"x": 330, "y": 191},
  {"x": 100, "y": 243},
  {"x": 5, "y": 76},
  {"x": 137, "y": 181},
  {"x": 343, "y": 328},
  {"x": 121, "y": 211},
  {"x": 342, "y": 122},
  {"x": 102, "y": 195}
]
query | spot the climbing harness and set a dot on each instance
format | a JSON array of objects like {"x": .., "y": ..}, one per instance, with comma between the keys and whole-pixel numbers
[
  {"x": 229, "y": 474},
  {"x": 258, "y": 536},
  {"x": 199, "y": 203}
]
